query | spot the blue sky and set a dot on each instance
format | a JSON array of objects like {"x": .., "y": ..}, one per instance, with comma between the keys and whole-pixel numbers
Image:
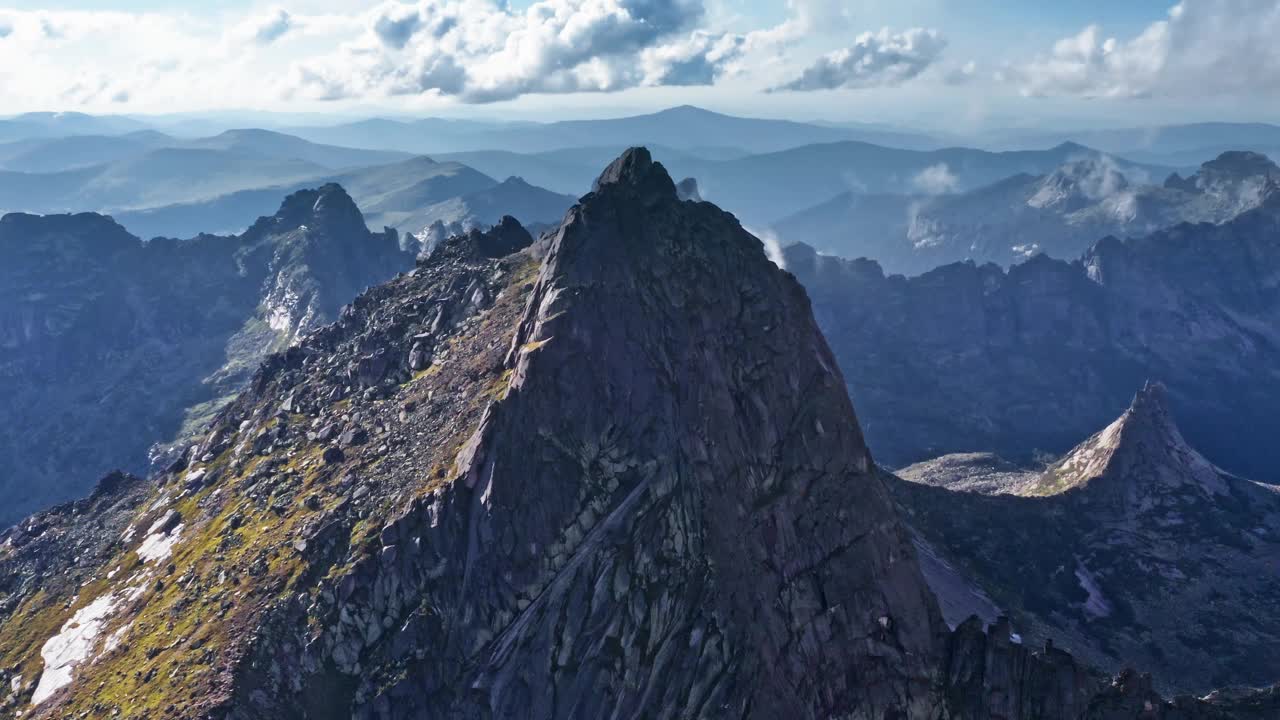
[{"x": 961, "y": 64}]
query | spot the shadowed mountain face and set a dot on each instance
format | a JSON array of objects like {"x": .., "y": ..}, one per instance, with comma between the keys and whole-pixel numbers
[
  {"x": 610, "y": 473},
  {"x": 571, "y": 469},
  {"x": 109, "y": 344},
  {"x": 1060, "y": 214},
  {"x": 970, "y": 358},
  {"x": 1132, "y": 549}
]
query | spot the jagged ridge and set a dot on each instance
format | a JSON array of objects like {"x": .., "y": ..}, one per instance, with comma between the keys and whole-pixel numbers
[
  {"x": 97, "y": 325},
  {"x": 612, "y": 473}
]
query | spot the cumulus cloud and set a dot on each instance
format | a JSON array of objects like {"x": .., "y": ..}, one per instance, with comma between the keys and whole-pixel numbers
[
  {"x": 804, "y": 18},
  {"x": 1203, "y": 47},
  {"x": 936, "y": 180},
  {"x": 484, "y": 51},
  {"x": 875, "y": 60},
  {"x": 270, "y": 27}
]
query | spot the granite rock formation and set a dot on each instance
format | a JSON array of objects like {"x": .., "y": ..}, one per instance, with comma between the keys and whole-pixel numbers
[
  {"x": 1131, "y": 550},
  {"x": 972, "y": 358},
  {"x": 109, "y": 344},
  {"x": 612, "y": 472}
]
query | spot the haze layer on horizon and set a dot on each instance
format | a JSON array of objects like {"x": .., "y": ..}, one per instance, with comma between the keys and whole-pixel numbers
[{"x": 958, "y": 66}]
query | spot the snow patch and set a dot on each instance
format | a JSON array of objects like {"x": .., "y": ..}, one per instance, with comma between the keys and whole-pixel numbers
[
  {"x": 70, "y": 647},
  {"x": 159, "y": 546},
  {"x": 15, "y": 684}
]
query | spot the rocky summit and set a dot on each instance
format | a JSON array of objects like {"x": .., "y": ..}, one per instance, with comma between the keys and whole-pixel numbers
[
  {"x": 612, "y": 472},
  {"x": 1132, "y": 549},
  {"x": 109, "y": 344}
]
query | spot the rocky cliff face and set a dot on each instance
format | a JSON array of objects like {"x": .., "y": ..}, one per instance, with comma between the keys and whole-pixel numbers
[
  {"x": 97, "y": 326},
  {"x": 1133, "y": 549},
  {"x": 615, "y": 472},
  {"x": 970, "y": 358},
  {"x": 609, "y": 473}
]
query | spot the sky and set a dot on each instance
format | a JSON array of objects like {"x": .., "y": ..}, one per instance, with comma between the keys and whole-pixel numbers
[{"x": 960, "y": 65}]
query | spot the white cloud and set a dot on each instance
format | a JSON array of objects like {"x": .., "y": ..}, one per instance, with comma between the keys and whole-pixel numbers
[
  {"x": 270, "y": 27},
  {"x": 1202, "y": 48},
  {"x": 484, "y": 51},
  {"x": 875, "y": 60},
  {"x": 936, "y": 180},
  {"x": 804, "y": 18},
  {"x": 772, "y": 246},
  {"x": 155, "y": 61}
]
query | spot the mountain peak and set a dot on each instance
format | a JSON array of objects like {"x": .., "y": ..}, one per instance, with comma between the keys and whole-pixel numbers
[
  {"x": 687, "y": 189},
  {"x": 100, "y": 228},
  {"x": 1138, "y": 452},
  {"x": 688, "y": 111},
  {"x": 636, "y": 171},
  {"x": 506, "y": 237},
  {"x": 1151, "y": 405},
  {"x": 1071, "y": 146},
  {"x": 1077, "y": 183},
  {"x": 640, "y": 431},
  {"x": 327, "y": 206},
  {"x": 1241, "y": 163}
]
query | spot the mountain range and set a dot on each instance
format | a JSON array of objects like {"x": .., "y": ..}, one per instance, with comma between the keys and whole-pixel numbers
[
  {"x": 1060, "y": 213},
  {"x": 763, "y": 188},
  {"x": 109, "y": 344},
  {"x": 430, "y": 418},
  {"x": 409, "y": 196},
  {"x": 611, "y": 472},
  {"x": 974, "y": 358},
  {"x": 158, "y": 185},
  {"x": 685, "y": 127}
]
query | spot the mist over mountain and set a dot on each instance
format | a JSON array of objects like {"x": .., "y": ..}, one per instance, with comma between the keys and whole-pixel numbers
[{"x": 1060, "y": 214}]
